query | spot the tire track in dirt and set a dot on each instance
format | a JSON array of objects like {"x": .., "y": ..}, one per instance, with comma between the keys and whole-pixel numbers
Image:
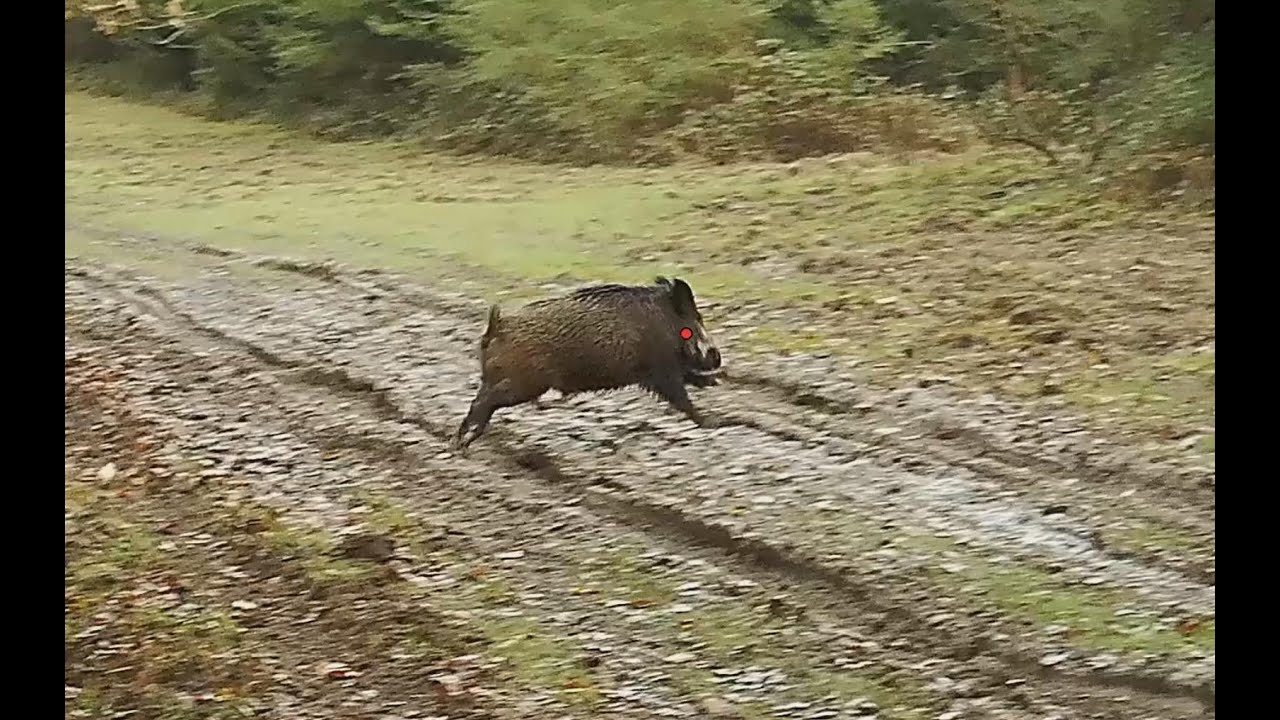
[
  {"x": 411, "y": 465},
  {"x": 1084, "y": 459},
  {"x": 1089, "y": 499},
  {"x": 778, "y": 429},
  {"x": 1084, "y": 494},
  {"x": 1055, "y": 690},
  {"x": 532, "y": 460},
  {"x": 791, "y": 431},
  {"x": 1084, "y": 514},
  {"x": 982, "y": 442},
  {"x": 1039, "y": 481},
  {"x": 325, "y": 458},
  {"x": 1087, "y": 459}
]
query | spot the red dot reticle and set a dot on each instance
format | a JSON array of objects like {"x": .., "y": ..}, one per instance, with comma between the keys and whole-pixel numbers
[{"x": 686, "y": 333}]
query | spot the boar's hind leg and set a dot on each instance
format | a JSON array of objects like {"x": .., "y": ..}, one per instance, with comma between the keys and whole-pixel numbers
[
  {"x": 488, "y": 399},
  {"x": 673, "y": 391}
]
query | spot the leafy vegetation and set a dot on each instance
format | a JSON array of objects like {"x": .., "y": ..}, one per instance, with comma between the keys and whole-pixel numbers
[{"x": 1124, "y": 88}]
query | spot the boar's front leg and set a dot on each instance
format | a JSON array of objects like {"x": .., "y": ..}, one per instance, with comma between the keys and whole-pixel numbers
[
  {"x": 488, "y": 399},
  {"x": 670, "y": 387}
]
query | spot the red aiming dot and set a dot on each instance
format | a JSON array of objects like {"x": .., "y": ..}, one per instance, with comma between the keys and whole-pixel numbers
[{"x": 686, "y": 333}]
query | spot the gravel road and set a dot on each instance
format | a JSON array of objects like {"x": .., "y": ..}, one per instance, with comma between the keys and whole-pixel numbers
[{"x": 831, "y": 551}]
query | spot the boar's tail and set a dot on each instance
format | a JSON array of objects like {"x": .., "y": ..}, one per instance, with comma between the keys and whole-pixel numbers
[{"x": 491, "y": 330}]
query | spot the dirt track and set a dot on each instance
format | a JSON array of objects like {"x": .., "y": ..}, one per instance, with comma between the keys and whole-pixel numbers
[{"x": 902, "y": 538}]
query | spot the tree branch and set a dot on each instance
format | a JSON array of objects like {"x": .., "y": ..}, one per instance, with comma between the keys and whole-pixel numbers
[{"x": 1034, "y": 145}]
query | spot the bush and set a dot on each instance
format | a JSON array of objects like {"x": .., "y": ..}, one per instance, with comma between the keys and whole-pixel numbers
[
  {"x": 608, "y": 73},
  {"x": 787, "y": 107},
  {"x": 1110, "y": 81}
]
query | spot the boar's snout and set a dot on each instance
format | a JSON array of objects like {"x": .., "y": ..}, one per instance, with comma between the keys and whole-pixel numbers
[{"x": 701, "y": 352}]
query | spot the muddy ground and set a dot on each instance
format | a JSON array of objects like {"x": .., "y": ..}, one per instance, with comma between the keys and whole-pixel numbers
[{"x": 263, "y": 519}]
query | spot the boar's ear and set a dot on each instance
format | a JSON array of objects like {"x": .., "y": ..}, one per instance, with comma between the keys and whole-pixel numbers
[
  {"x": 682, "y": 296},
  {"x": 662, "y": 281}
]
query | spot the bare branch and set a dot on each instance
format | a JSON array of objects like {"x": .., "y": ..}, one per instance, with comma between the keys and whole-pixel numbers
[
  {"x": 1042, "y": 148},
  {"x": 173, "y": 36},
  {"x": 229, "y": 8}
]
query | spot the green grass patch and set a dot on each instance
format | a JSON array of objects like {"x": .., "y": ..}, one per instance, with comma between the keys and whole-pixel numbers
[
  {"x": 117, "y": 581},
  {"x": 786, "y": 340},
  {"x": 390, "y": 205},
  {"x": 540, "y": 659},
  {"x": 1145, "y": 536},
  {"x": 733, "y": 633},
  {"x": 1093, "y": 617}
]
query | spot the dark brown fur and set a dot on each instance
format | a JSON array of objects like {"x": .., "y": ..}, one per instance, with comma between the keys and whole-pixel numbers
[{"x": 602, "y": 337}]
